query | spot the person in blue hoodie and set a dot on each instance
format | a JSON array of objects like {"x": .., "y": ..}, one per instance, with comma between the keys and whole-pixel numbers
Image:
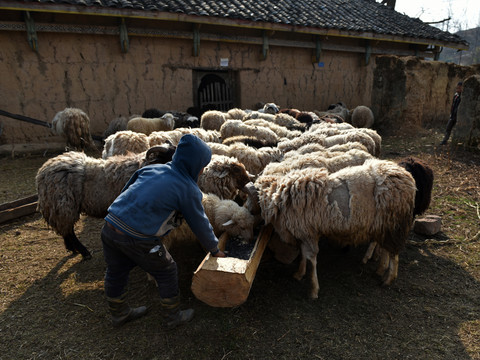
[{"x": 153, "y": 202}]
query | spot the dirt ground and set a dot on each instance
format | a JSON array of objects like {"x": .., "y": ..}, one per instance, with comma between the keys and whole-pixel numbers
[{"x": 52, "y": 304}]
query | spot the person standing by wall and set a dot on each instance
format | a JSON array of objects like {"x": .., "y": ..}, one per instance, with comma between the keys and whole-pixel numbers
[{"x": 453, "y": 112}]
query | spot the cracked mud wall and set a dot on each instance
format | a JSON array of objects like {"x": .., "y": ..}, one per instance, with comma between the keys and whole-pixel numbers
[{"x": 91, "y": 73}]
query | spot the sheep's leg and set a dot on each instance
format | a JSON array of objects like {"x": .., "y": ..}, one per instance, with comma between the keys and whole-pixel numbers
[
  {"x": 369, "y": 253},
  {"x": 315, "y": 286},
  {"x": 392, "y": 272},
  {"x": 75, "y": 246},
  {"x": 302, "y": 267},
  {"x": 309, "y": 250},
  {"x": 384, "y": 262}
]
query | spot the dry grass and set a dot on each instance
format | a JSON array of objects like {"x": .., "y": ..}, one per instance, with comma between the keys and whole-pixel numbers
[{"x": 52, "y": 305}]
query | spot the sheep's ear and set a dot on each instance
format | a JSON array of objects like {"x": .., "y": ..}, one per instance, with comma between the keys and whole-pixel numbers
[
  {"x": 229, "y": 222},
  {"x": 223, "y": 174}
]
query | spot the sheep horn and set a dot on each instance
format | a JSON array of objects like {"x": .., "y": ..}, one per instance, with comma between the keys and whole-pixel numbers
[
  {"x": 159, "y": 154},
  {"x": 252, "y": 193}
]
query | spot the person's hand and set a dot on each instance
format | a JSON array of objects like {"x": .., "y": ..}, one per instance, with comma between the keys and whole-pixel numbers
[{"x": 220, "y": 253}]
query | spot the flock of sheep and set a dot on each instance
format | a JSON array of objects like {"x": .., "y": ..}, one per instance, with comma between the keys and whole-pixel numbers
[{"x": 311, "y": 174}]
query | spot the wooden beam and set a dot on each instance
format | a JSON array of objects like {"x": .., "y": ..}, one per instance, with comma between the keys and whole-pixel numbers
[
  {"x": 196, "y": 39},
  {"x": 124, "y": 41},
  {"x": 31, "y": 33}
]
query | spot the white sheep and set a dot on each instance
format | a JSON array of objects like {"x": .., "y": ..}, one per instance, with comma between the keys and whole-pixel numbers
[
  {"x": 205, "y": 135},
  {"x": 235, "y": 114},
  {"x": 224, "y": 215},
  {"x": 212, "y": 120},
  {"x": 237, "y": 127},
  {"x": 328, "y": 141},
  {"x": 362, "y": 117},
  {"x": 331, "y": 131},
  {"x": 73, "y": 183},
  {"x": 281, "y": 131},
  {"x": 308, "y": 148},
  {"x": 74, "y": 125},
  {"x": 124, "y": 142},
  {"x": 332, "y": 161},
  {"x": 149, "y": 125},
  {"x": 372, "y": 202},
  {"x": 326, "y": 125},
  {"x": 254, "y": 160}
]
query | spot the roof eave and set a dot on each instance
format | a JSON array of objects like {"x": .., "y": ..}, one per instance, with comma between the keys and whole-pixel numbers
[{"x": 181, "y": 17}]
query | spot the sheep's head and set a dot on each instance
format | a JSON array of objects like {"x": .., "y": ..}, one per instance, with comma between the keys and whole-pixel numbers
[
  {"x": 271, "y": 108},
  {"x": 240, "y": 225},
  {"x": 238, "y": 173},
  {"x": 160, "y": 154}
]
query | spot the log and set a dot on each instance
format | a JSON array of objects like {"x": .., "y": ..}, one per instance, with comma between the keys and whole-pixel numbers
[
  {"x": 226, "y": 282},
  {"x": 18, "y": 208}
]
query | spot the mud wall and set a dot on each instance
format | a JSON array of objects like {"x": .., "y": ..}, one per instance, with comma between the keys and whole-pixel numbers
[
  {"x": 467, "y": 129},
  {"x": 409, "y": 94},
  {"x": 91, "y": 73}
]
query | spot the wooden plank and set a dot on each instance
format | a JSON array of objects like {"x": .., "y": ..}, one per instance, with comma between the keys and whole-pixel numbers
[
  {"x": 19, "y": 211},
  {"x": 15, "y": 203},
  {"x": 226, "y": 282}
]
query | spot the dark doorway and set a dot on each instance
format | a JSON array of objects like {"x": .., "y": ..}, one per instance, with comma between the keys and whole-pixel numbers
[{"x": 215, "y": 90}]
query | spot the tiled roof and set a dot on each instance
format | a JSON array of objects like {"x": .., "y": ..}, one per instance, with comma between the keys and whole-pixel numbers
[{"x": 344, "y": 15}]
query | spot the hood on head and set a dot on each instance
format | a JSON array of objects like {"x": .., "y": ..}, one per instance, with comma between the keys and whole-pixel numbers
[{"x": 192, "y": 155}]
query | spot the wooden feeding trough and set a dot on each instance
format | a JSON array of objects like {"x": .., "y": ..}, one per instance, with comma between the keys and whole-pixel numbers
[{"x": 226, "y": 282}]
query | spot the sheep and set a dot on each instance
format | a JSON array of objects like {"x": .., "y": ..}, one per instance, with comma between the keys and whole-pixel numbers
[
  {"x": 423, "y": 175},
  {"x": 74, "y": 125},
  {"x": 224, "y": 215},
  {"x": 223, "y": 176},
  {"x": 162, "y": 137},
  {"x": 313, "y": 147},
  {"x": 73, "y": 183},
  {"x": 320, "y": 159},
  {"x": 205, "y": 135},
  {"x": 248, "y": 140},
  {"x": 148, "y": 125},
  {"x": 372, "y": 202},
  {"x": 212, "y": 120},
  {"x": 326, "y": 125},
  {"x": 331, "y": 131},
  {"x": 181, "y": 119},
  {"x": 253, "y": 159},
  {"x": 116, "y": 125},
  {"x": 339, "y": 109},
  {"x": 124, "y": 142},
  {"x": 236, "y": 127},
  {"x": 281, "y": 131},
  {"x": 251, "y": 115},
  {"x": 362, "y": 117},
  {"x": 235, "y": 114},
  {"x": 284, "y": 119},
  {"x": 328, "y": 141},
  {"x": 270, "y": 108}
]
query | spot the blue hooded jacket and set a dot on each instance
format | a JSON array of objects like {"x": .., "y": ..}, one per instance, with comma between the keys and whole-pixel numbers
[{"x": 152, "y": 200}]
